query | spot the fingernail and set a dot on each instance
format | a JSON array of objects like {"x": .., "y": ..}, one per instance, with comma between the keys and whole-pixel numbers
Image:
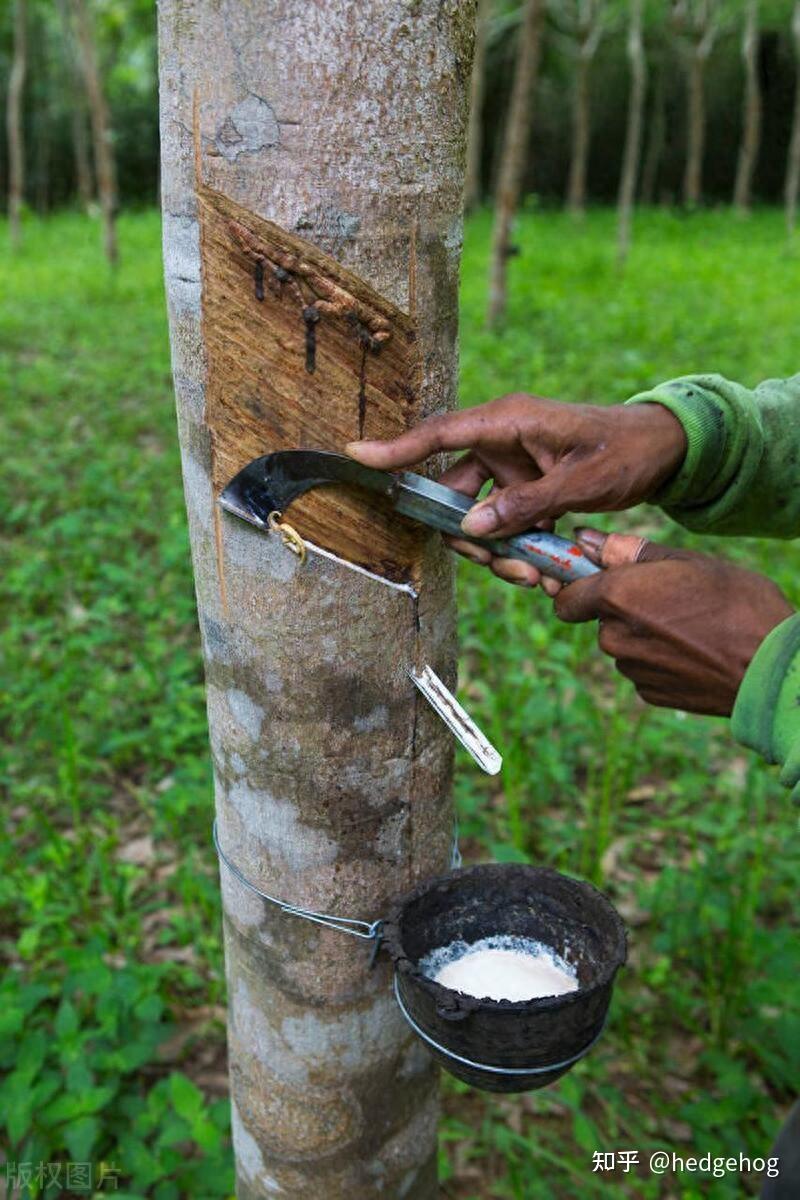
[
  {"x": 480, "y": 520},
  {"x": 590, "y": 539},
  {"x": 521, "y": 579},
  {"x": 476, "y": 555}
]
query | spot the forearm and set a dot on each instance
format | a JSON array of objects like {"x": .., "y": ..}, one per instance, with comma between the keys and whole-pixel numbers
[{"x": 741, "y": 474}]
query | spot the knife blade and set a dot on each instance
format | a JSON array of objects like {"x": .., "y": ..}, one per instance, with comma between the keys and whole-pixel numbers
[{"x": 270, "y": 484}]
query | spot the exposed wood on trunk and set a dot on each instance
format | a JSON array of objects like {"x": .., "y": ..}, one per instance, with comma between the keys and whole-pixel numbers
[
  {"x": 633, "y": 133},
  {"x": 514, "y": 156},
  {"x": 101, "y": 128},
  {"x": 751, "y": 114},
  {"x": 14, "y": 128},
  {"x": 264, "y": 392},
  {"x": 472, "y": 185},
  {"x": 332, "y": 773},
  {"x": 792, "y": 188},
  {"x": 589, "y": 31}
]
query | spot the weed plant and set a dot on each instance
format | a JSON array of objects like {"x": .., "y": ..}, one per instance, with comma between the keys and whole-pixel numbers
[{"x": 112, "y": 997}]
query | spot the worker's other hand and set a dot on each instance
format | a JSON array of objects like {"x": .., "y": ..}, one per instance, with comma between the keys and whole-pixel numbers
[
  {"x": 683, "y": 627},
  {"x": 545, "y": 458}
]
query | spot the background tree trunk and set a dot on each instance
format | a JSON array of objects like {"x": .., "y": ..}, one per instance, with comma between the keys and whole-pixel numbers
[
  {"x": 792, "y": 187},
  {"x": 514, "y": 155},
  {"x": 696, "y": 129},
  {"x": 38, "y": 184},
  {"x": 472, "y": 187},
  {"x": 703, "y": 32},
  {"x": 589, "y": 33},
  {"x": 78, "y": 135},
  {"x": 655, "y": 136},
  {"x": 101, "y": 128},
  {"x": 332, "y": 776},
  {"x": 633, "y": 132},
  {"x": 80, "y": 153},
  {"x": 14, "y": 128},
  {"x": 751, "y": 115}
]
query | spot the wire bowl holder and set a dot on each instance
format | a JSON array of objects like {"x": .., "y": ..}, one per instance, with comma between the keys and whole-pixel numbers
[{"x": 495, "y": 1045}]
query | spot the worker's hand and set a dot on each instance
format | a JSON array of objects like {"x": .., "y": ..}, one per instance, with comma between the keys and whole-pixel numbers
[
  {"x": 683, "y": 627},
  {"x": 545, "y": 458}
]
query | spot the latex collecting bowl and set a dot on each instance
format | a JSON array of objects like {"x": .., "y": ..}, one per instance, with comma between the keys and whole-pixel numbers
[{"x": 504, "y": 1045}]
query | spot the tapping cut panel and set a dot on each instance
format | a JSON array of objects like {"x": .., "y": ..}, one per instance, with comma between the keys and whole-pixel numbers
[{"x": 301, "y": 353}]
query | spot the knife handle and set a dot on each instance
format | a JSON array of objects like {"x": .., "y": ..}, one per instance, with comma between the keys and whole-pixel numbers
[{"x": 552, "y": 555}]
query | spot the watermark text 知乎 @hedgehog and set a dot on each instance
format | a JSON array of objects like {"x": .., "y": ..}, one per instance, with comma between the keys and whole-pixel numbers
[{"x": 663, "y": 1162}]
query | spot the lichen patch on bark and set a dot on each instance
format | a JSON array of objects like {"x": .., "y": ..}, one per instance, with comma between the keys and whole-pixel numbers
[{"x": 248, "y": 128}]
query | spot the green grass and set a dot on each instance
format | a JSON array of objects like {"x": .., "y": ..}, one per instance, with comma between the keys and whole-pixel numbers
[{"x": 112, "y": 1001}]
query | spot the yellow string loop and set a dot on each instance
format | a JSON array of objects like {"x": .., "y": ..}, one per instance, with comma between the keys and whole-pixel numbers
[{"x": 289, "y": 535}]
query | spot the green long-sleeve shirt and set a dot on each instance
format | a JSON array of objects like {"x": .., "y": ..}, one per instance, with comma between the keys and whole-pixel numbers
[{"x": 741, "y": 475}]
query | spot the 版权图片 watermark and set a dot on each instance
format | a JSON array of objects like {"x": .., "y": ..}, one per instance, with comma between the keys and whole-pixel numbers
[{"x": 73, "y": 1177}]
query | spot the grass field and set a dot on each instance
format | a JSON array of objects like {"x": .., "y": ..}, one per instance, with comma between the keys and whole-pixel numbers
[{"x": 112, "y": 997}]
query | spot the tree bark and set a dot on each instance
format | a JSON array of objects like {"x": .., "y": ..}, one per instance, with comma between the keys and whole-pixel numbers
[
  {"x": 696, "y": 130},
  {"x": 14, "y": 128},
  {"x": 702, "y": 34},
  {"x": 655, "y": 139},
  {"x": 751, "y": 115},
  {"x": 41, "y": 181},
  {"x": 80, "y": 142},
  {"x": 299, "y": 143},
  {"x": 38, "y": 185},
  {"x": 514, "y": 155},
  {"x": 633, "y": 134},
  {"x": 792, "y": 187},
  {"x": 472, "y": 187},
  {"x": 101, "y": 129},
  {"x": 589, "y": 34},
  {"x": 80, "y": 154}
]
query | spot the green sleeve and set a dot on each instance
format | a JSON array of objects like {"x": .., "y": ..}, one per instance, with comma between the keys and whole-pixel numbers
[
  {"x": 741, "y": 474},
  {"x": 766, "y": 716}
]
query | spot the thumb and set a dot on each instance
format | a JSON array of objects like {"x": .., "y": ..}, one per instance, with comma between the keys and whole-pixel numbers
[
  {"x": 617, "y": 549},
  {"x": 518, "y": 506}
]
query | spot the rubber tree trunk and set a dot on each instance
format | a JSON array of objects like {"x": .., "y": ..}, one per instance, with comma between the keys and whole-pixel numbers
[
  {"x": 472, "y": 186},
  {"x": 699, "y": 50},
  {"x": 514, "y": 154},
  {"x": 751, "y": 114},
  {"x": 792, "y": 188},
  {"x": 340, "y": 130},
  {"x": 77, "y": 116},
  {"x": 632, "y": 154},
  {"x": 80, "y": 154},
  {"x": 39, "y": 182},
  {"x": 589, "y": 34},
  {"x": 14, "y": 128},
  {"x": 655, "y": 135},
  {"x": 101, "y": 128}
]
